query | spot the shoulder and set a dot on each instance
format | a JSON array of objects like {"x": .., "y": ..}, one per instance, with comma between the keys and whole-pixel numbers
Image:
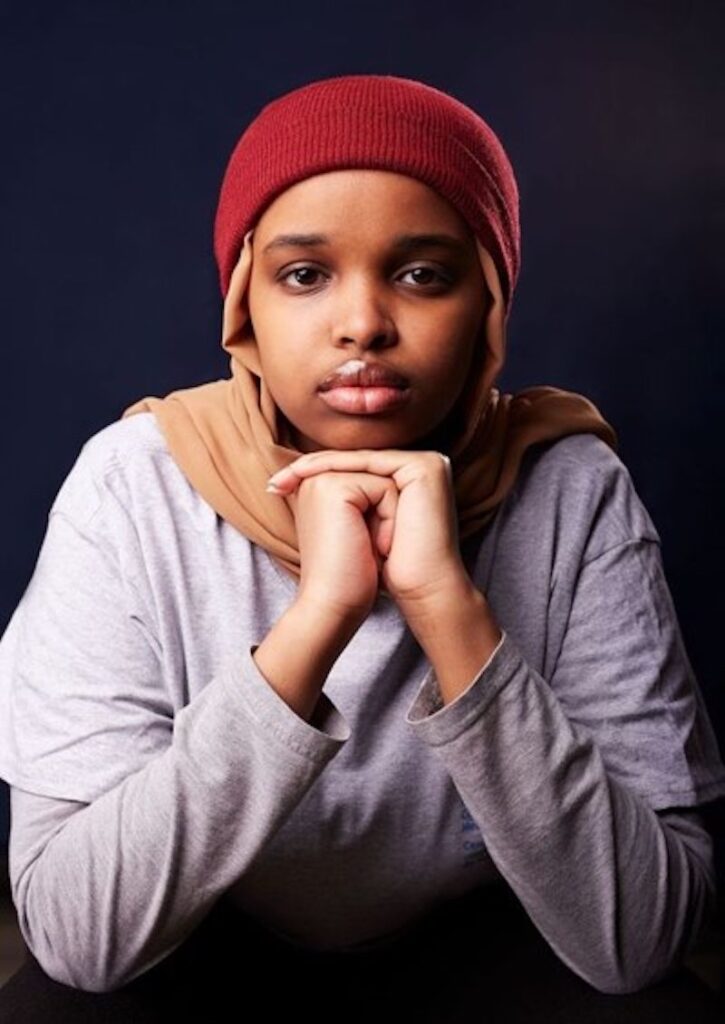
[
  {"x": 124, "y": 439},
  {"x": 126, "y": 460},
  {"x": 584, "y": 485},
  {"x": 582, "y": 451}
]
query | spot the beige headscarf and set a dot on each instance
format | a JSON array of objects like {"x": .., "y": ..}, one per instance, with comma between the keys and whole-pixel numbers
[{"x": 228, "y": 436}]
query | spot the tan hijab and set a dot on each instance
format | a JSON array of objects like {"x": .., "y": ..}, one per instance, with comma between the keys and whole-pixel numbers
[{"x": 228, "y": 439}]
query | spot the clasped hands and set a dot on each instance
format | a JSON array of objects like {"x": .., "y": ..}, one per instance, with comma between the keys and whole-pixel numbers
[{"x": 368, "y": 514}]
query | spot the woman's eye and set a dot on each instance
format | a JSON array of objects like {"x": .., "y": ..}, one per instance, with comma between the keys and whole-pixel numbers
[
  {"x": 303, "y": 271},
  {"x": 299, "y": 278},
  {"x": 434, "y": 274}
]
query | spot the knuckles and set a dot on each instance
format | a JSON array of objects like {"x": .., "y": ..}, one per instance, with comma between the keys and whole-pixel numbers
[
  {"x": 436, "y": 463},
  {"x": 431, "y": 462},
  {"x": 317, "y": 482},
  {"x": 331, "y": 481}
]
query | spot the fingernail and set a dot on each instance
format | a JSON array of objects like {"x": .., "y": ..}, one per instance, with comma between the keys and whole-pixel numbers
[{"x": 273, "y": 488}]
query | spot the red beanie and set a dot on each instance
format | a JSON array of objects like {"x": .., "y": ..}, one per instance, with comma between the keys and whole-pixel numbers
[{"x": 372, "y": 121}]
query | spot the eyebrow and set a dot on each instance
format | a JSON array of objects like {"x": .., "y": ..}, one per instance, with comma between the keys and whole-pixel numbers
[{"x": 401, "y": 243}]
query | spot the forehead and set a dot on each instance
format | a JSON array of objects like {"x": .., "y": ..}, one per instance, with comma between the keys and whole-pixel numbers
[{"x": 340, "y": 197}]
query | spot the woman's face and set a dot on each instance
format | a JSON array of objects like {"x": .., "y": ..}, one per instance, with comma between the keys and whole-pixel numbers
[{"x": 367, "y": 286}]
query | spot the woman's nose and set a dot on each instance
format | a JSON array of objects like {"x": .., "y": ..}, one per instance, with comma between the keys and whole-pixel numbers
[{"x": 363, "y": 315}]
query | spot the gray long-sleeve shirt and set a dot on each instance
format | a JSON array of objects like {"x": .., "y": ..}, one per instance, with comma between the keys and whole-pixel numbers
[{"x": 153, "y": 769}]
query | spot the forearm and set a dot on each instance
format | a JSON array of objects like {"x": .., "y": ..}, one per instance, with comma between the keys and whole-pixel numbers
[
  {"x": 298, "y": 653},
  {"x": 458, "y": 633},
  {"x": 618, "y": 893},
  {"x": 128, "y": 877}
]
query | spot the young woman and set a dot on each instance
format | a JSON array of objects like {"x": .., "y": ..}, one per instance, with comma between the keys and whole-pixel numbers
[{"x": 412, "y": 730}]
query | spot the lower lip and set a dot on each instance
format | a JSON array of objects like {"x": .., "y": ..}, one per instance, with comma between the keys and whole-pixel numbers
[{"x": 365, "y": 401}]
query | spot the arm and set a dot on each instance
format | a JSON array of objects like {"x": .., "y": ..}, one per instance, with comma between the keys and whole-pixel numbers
[
  {"x": 619, "y": 891},
  {"x": 107, "y": 888}
]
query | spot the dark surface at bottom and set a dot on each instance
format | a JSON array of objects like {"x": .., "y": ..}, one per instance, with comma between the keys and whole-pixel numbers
[{"x": 479, "y": 959}]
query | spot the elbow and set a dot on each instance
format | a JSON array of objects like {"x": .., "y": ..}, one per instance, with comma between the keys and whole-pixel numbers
[
  {"x": 84, "y": 965},
  {"x": 71, "y": 973},
  {"x": 636, "y": 973},
  {"x": 78, "y": 952},
  {"x": 82, "y": 957},
  {"x": 80, "y": 972},
  {"x": 79, "y": 979},
  {"x": 72, "y": 968},
  {"x": 626, "y": 982},
  {"x": 660, "y": 949},
  {"x": 68, "y": 960},
  {"x": 98, "y": 983},
  {"x": 641, "y": 969},
  {"x": 76, "y": 965},
  {"x": 99, "y": 979}
]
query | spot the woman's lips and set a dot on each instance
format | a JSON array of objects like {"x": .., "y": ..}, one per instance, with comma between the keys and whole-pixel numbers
[
  {"x": 364, "y": 373},
  {"x": 363, "y": 387},
  {"x": 365, "y": 400}
]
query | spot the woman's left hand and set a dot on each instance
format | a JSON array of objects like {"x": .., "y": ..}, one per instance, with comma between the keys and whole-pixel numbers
[{"x": 422, "y": 561}]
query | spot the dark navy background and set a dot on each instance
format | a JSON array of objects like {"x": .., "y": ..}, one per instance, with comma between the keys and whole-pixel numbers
[{"x": 118, "y": 121}]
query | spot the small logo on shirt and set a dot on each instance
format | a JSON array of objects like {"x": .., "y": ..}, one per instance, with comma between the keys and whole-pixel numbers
[{"x": 474, "y": 848}]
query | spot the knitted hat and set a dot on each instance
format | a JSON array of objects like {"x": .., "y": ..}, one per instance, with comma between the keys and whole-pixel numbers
[{"x": 372, "y": 121}]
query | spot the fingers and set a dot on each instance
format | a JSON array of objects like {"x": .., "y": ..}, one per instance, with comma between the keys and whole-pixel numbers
[
  {"x": 375, "y": 497},
  {"x": 382, "y": 523},
  {"x": 401, "y": 465}
]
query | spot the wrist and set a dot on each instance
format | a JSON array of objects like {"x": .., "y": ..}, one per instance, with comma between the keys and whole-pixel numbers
[
  {"x": 458, "y": 634},
  {"x": 297, "y": 654},
  {"x": 326, "y": 614},
  {"x": 428, "y": 613}
]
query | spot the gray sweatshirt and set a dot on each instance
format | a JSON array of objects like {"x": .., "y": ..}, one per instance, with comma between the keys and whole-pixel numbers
[{"x": 154, "y": 770}]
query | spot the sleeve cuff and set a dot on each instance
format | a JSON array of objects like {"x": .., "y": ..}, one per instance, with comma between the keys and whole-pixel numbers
[
  {"x": 263, "y": 704},
  {"x": 439, "y": 723}
]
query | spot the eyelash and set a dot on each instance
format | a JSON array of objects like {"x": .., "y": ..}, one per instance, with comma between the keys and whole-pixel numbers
[{"x": 443, "y": 279}]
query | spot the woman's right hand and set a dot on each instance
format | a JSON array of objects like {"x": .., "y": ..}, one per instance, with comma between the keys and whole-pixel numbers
[{"x": 345, "y": 527}]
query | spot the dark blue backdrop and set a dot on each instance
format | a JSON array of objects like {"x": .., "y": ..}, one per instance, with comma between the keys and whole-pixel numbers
[{"x": 118, "y": 122}]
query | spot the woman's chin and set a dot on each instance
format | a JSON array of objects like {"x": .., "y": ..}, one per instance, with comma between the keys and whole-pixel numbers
[{"x": 439, "y": 438}]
